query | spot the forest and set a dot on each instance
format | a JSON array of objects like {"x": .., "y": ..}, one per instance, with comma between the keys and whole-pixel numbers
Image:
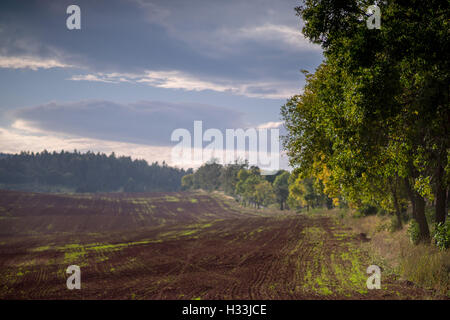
[{"x": 85, "y": 172}]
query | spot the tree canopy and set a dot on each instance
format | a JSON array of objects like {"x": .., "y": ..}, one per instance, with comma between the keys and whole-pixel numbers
[{"x": 373, "y": 121}]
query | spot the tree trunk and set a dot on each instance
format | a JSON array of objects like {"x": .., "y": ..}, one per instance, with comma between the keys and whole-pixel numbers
[
  {"x": 421, "y": 219},
  {"x": 411, "y": 198},
  {"x": 441, "y": 196},
  {"x": 398, "y": 212},
  {"x": 448, "y": 199},
  {"x": 393, "y": 185},
  {"x": 281, "y": 205},
  {"x": 418, "y": 204}
]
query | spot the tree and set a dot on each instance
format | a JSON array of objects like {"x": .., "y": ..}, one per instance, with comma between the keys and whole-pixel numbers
[
  {"x": 371, "y": 98},
  {"x": 264, "y": 193},
  {"x": 229, "y": 176},
  {"x": 187, "y": 182},
  {"x": 207, "y": 177},
  {"x": 246, "y": 186},
  {"x": 281, "y": 188},
  {"x": 297, "y": 191},
  {"x": 304, "y": 192}
]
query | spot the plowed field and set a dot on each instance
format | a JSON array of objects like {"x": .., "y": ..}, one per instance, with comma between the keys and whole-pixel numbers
[{"x": 178, "y": 246}]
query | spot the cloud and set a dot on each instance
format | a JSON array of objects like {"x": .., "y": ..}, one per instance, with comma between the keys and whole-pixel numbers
[
  {"x": 22, "y": 137},
  {"x": 286, "y": 35},
  {"x": 33, "y": 63},
  {"x": 171, "y": 79},
  {"x": 143, "y": 122},
  {"x": 275, "y": 125},
  {"x": 93, "y": 77},
  {"x": 25, "y": 138},
  {"x": 251, "y": 49},
  {"x": 140, "y": 130},
  {"x": 231, "y": 27},
  {"x": 174, "y": 79},
  {"x": 271, "y": 125},
  {"x": 180, "y": 80},
  {"x": 247, "y": 48}
]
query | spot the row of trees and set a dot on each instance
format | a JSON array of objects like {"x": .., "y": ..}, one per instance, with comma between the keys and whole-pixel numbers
[
  {"x": 86, "y": 172},
  {"x": 251, "y": 188},
  {"x": 372, "y": 124}
]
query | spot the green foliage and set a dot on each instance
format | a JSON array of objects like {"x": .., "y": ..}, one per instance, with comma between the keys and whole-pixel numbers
[
  {"x": 307, "y": 192},
  {"x": 250, "y": 188},
  {"x": 264, "y": 193},
  {"x": 441, "y": 235},
  {"x": 281, "y": 188},
  {"x": 423, "y": 187},
  {"x": 373, "y": 118},
  {"x": 187, "y": 182},
  {"x": 229, "y": 176},
  {"x": 236, "y": 179},
  {"x": 214, "y": 176},
  {"x": 207, "y": 177}
]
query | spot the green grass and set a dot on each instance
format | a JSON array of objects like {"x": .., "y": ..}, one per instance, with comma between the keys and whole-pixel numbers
[{"x": 41, "y": 249}]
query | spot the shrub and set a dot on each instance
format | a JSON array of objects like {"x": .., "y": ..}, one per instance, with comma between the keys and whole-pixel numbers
[
  {"x": 441, "y": 235},
  {"x": 413, "y": 231}
]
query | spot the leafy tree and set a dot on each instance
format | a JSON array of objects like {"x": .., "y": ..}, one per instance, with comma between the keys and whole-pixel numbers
[
  {"x": 187, "y": 182},
  {"x": 306, "y": 192},
  {"x": 297, "y": 191},
  {"x": 271, "y": 178},
  {"x": 243, "y": 174},
  {"x": 229, "y": 176},
  {"x": 207, "y": 177},
  {"x": 281, "y": 188},
  {"x": 374, "y": 113},
  {"x": 253, "y": 189},
  {"x": 264, "y": 193},
  {"x": 247, "y": 187}
]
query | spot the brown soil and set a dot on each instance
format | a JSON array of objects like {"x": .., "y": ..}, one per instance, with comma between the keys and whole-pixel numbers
[{"x": 179, "y": 246}]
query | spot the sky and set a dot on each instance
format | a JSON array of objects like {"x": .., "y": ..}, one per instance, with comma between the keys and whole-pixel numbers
[{"x": 139, "y": 69}]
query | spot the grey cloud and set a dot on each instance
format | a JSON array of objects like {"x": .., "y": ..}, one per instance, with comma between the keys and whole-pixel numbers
[
  {"x": 144, "y": 122},
  {"x": 244, "y": 41},
  {"x": 261, "y": 90}
]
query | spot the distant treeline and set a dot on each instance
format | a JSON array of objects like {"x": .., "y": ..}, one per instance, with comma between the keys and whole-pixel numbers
[
  {"x": 85, "y": 172},
  {"x": 251, "y": 188}
]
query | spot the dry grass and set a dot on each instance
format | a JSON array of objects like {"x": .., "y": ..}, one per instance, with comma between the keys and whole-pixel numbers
[{"x": 422, "y": 264}]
